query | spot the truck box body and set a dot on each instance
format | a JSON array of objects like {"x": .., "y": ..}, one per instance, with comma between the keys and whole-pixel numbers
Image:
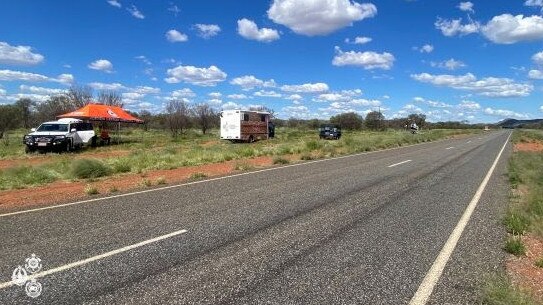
[{"x": 240, "y": 125}]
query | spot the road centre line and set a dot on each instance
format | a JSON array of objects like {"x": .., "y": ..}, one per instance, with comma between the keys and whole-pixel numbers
[
  {"x": 207, "y": 180},
  {"x": 432, "y": 277},
  {"x": 468, "y": 142},
  {"x": 406, "y": 161},
  {"x": 95, "y": 258},
  {"x": 449, "y": 148}
]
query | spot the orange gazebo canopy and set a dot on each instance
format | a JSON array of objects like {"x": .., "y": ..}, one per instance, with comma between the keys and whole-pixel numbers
[{"x": 100, "y": 112}]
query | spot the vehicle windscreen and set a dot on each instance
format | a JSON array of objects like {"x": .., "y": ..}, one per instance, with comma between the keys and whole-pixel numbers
[{"x": 53, "y": 127}]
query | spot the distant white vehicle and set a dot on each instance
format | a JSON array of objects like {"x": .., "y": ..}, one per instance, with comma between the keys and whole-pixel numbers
[
  {"x": 62, "y": 135},
  {"x": 246, "y": 126},
  {"x": 486, "y": 128}
]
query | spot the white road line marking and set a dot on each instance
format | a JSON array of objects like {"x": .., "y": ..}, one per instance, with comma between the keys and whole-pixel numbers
[
  {"x": 449, "y": 148},
  {"x": 468, "y": 142},
  {"x": 207, "y": 180},
  {"x": 94, "y": 258},
  {"x": 399, "y": 163},
  {"x": 432, "y": 277}
]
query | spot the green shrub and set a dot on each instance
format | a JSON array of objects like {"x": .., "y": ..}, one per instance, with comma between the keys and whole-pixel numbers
[
  {"x": 539, "y": 262},
  {"x": 307, "y": 157},
  {"x": 89, "y": 168},
  {"x": 515, "y": 246},
  {"x": 279, "y": 160},
  {"x": 516, "y": 222},
  {"x": 313, "y": 145},
  {"x": 20, "y": 177},
  {"x": 122, "y": 166},
  {"x": 243, "y": 166}
]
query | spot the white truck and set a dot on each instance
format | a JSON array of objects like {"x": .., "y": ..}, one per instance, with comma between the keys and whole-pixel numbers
[
  {"x": 246, "y": 126},
  {"x": 62, "y": 135}
]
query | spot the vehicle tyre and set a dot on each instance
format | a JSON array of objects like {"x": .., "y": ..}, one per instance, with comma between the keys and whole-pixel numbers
[
  {"x": 251, "y": 139},
  {"x": 69, "y": 146}
]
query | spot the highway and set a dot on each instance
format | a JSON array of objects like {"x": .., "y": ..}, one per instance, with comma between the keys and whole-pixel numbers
[{"x": 361, "y": 229}]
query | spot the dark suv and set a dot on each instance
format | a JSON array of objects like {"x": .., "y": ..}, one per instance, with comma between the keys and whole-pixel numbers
[{"x": 330, "y": 131}]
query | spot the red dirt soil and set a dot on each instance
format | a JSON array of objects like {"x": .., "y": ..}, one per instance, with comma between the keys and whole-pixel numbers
[
  {"x": 523, "y": 270},
  {"x": 529, "y": 146},
  {"x": 62, "y": 191}
]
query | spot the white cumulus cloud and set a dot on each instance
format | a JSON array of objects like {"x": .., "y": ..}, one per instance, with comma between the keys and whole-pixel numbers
[
  {"x": 264, "y": 93},
  {"x": 319, "y": 17},
  {"x": 197, "y": 76},
  {"x": 367, "y": 60},
  {"x": 509, "y": 29},
  {"x": 535, "y": 74},
  {"x": 489, "y": 86},
  {"x": 41, "y": 90},
  {"x": 106, "y": 86},
  {"x": 359, "y": 40},
  {"x": 101, "y": 65},
  {"x": 449, "y": 64},
  {"x": 455, "y": 27},
  {"x": 176, "y": 36},
  {"x": 10, "y": 75},
  {"x": 249, "y": 82},
  {"x": 502, "y": 113},
  {"x": 306, "y": 88},
  {"x": 18, "y": 55},
  {"x": 248, "y": 29},
  {"x": 114, "y": 3},
  {"x": 237, "y": 96},
  {"x": 207, "y": 30},
  {"x": 133, "y": 10},
  {"x": 534, "y": 3},
  {"x": 183, "y": 93},
  {"x": 466, "y": 7}
]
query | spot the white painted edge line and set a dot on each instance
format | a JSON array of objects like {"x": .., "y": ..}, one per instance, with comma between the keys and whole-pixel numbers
[
  {"x": 449, "y": 148},
  {"x": 94, "y": 258},
  {"x": 432, "y": 277},
  {"x": 468, "y": 142},
  {"x": 400, "y": 163},
  {"x": 212, "y": 179}
]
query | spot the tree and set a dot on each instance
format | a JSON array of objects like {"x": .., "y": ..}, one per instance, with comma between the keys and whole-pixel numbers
[
  {"x": 9, "y": 117},
  {"x": 25, "y": 109},
  {"x": 146, "y": 116},
  {"x": 206, "y": 117},
  {"x": 54, "y": 106},
  {"x": 79, "y": 96},
  {"x": 110, "y": 98},
  {"x": 349, "y": 120},
  {"x": 178, "y": 116},
  {"x": 374, "y": 120},
  {"x": 419, "y": 119},
  {"x": 264, "y": 109}
]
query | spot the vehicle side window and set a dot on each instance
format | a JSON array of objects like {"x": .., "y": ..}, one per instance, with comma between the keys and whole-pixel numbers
[{"x": 88, "y": 126}]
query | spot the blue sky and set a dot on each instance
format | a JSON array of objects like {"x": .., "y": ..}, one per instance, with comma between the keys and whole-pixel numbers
[{"x": 478, "y": 61}]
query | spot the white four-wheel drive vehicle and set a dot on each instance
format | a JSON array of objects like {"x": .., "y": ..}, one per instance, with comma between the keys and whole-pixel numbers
[{"x": 62, "y": 135}]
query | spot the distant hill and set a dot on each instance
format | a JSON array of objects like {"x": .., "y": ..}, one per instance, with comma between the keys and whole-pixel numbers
[{"x": 513, "y": 123}]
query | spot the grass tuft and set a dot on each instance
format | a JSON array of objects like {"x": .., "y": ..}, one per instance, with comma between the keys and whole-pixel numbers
[
  {"x": 515, "y": 246},
  {"x": 500, "y": 291},
  {"x": 516, "y": 223},
  {"x": 89, "y": 168},
  {"x": 197, "y": 176},
  {"x": 161, "y": 180},
  {"x": 91, "y": 190},
  {"x": 280, "y": 160}
]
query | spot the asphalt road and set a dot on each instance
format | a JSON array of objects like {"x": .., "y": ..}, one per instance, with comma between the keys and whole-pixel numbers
[{"x": 362, "y": 229}]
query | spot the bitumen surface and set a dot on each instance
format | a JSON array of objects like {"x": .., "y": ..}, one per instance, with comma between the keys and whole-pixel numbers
[{"x": 361, "y": 229}]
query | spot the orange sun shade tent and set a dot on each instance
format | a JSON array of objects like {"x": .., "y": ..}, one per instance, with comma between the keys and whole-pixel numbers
[{"x": 100, "y": 112}]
